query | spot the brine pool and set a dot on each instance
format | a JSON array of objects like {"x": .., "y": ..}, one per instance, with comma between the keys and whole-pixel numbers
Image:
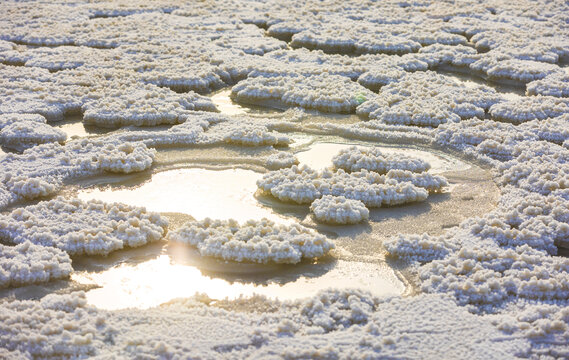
[{"x": 160, "y": 272}]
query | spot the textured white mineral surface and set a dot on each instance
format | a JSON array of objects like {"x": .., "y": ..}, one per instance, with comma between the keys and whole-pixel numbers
[{"x": 485, "y": 82}]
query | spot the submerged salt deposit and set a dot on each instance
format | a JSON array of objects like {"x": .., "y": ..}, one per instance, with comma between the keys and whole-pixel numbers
[{"x": 481, "y": 269}]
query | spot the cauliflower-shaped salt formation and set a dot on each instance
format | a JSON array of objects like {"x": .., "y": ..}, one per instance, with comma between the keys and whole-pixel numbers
[
  {"x": 304, "y": 185},
  {"x": 328, "y": 93},
  {"x": 260, "y": 241},
  {"x": 281, "y": 159},
  {"x": 126, "y": 158},
  {"x": 339, "y": 210},
  {"x": 556, "y": 84},
  {"x": 530, "y": 108},
  {"x": 428, "y": 99},
  {"x": 26, "y": 264},
  {"x": 79, "y": 227},
  {"x": 25, "y": 134},
  {"x": 423, "y": 248},
  {"x": 254, "y": 135},
  {"x": 141, "y": 105},
  {"x": 372, "y": 159},
  {"x": 30, "y": 188}
]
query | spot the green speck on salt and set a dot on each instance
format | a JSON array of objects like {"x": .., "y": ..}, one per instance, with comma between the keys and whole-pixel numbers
[{"x": 360, "y": 98}]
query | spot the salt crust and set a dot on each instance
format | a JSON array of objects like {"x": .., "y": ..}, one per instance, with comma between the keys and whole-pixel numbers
[
  {"x": 27, "y": 263},
  {"x": 530, "y": 108},
  {"x": 304, "y": 185},
  {"x": 428, "y": 99},
  {"x": 332, "y": 324},
  {"x": 556, "y": 84},
  {"x": 41, "y": 170},
  {"x": 328, "y": 93},
  {"x": 372, "y": 159},
  {"x": 520, "y": 40},
  {"x": 260, "y": 241},
  {"x": 339, "y": 210},
  {"x": 281, "y": 159},
  {"x": 78, "y": 227}
]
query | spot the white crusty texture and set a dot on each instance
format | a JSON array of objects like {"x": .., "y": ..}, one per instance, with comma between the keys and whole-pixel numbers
[
  {"x": 126, "y": 158},
  {"x": 432, "y": 183},
  {"x": 530, "y": 108},
  {"x": 78, "y": 227},
  {"x": 503, "y": 67},
  {"x": 372, "y": 159},
  {"x": 254, "y": 135},
  {"x": 330, "y": 324},
  {"x": 553, "y": 129},
  {"x": 147, "y": 105},
  {"x": 260, "y": 241},
  {"x": 41, "y": 170},
  {"x": 556, "y": 84},
  {"x": 428, "y": 99},
  {"x": 329, "y": 93},
  {"x": 304, "y": 185},
  {"x": 9, "y": 119},
  {"x": 25, "y": 134},
  {"x": 339, "y": 210},
  {"x": 538, "y": 166},
  {"x": 484, "y": 139},
  {"x": 423, "y": 248},
  {"x": 281, "y": 159},
  {"x": 26, "y": 264}
]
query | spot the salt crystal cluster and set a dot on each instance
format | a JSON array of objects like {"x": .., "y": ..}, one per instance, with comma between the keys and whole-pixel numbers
[
  {"x": 339, "y": 210},
  {"x": 26, "y": 264},
  {"x": 260, "y": 241},
  {"x": 372, "y": 159},
  {"x": 78, "y": 227}
]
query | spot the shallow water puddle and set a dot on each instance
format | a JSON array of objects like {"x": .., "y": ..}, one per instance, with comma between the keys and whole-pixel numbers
[
  {"x": 226, "y": 105},
  {"x": 319, "y": 156},
  {"x": 159, "y": 280},
  {"x": 201, "y": 193}
]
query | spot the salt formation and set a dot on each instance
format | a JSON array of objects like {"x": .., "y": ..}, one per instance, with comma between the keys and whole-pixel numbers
[
  {"x": 556, "y": 84},
  {"x": 281, "y": 159},
  {"x": 78, "y": 227},
  {"x": 339, "y": 210},
  {"x": 372, "y": 159},
  {"x": 41, "y": 170},
  {"x": 22, "y": 131},
  {"x": 260, "y": 241},
  {"x": 255, "y": 135},
  {"x": 304, "y": 185},
  {"x": 493, "y": 284},
  {"x": 26, "y": 264},
  {"x": 329, "y": 93},
  {"x": 428, "y": 99},
  {"x": 529, "y": 108},
  {"x": 331, "y": 324}
]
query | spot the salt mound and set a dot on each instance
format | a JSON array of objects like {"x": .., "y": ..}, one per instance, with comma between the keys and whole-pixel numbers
[
  {"x": 372, "y": 159},
  {"x": 530, "y": 108},
  {"x": 304, "y": 185},
  {"x": 26, "y": 264},
  {"x": 77, "y": 227},
  {"x": 25, "y": 134},
  {"x": 339, "y": 210},
  {"x": 328, "y": 93},
  {"x": 260, "y": 241},
  {"x": 428, "y": 99},
  {"x": 281, "y": 159}
]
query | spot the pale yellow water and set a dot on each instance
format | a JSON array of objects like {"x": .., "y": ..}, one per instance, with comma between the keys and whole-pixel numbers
[
  {"x": 225, "y": 105},
  {"x": 201, "y": 193},
  {"x": 161, "y": 279}
]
